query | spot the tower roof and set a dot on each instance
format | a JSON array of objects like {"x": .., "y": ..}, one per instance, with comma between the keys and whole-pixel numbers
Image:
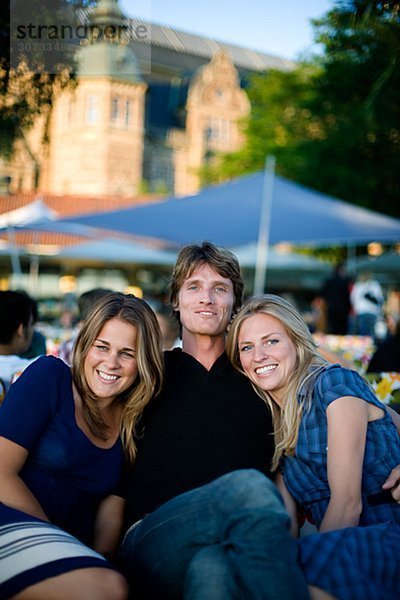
[
  {"x": 106, "y": 52},
  {"x": 107, "y": 12},
  {"x": 108, "y": 60}
]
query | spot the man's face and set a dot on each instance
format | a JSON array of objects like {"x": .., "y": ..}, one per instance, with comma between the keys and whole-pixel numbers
[{"x": 205, "y": 302}]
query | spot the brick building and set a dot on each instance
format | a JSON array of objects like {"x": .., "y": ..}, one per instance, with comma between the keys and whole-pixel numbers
[{"x": 144, "y": 116}]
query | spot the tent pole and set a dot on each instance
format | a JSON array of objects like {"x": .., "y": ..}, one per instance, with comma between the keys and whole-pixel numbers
[
  {"x": 14, "y": 255},
  {"x": 263, "y": 232},
  {"x": 34, "y": 267}
]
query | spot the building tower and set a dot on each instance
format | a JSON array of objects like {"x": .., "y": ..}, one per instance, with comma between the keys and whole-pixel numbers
[
  {"x": 97, "y": 129},
  {"x": 215, "y": 105}
]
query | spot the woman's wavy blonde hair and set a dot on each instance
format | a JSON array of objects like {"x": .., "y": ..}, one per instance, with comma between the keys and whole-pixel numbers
[
  {"x": 136, "y": 312},
  {"x": 286, "y": 420}
]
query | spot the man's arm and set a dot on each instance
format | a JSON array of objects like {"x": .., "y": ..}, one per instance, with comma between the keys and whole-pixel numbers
[
  {"x": 395, "y": 418},
  {"x": 393, "y": 481}
]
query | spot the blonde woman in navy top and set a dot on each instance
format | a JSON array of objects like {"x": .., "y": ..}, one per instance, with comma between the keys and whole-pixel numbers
[{"x": 64, "y": 437}]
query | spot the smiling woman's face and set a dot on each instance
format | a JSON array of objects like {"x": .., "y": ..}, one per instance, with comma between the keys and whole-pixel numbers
[
  {"x": 267, "y": 354},
  {"x": 110, "y": 365}
]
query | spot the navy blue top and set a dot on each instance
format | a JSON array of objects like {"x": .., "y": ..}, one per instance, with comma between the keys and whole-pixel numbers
[
  {"x": 67, "y": 473},
  {"x": 305, "y": 474}
]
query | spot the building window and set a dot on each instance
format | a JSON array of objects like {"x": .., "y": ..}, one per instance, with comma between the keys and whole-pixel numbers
[
  {"x": 158, "y": 169},
  {"x": 128, "y": 113},
  {"x": 218, "y": 130},
  {"x": 114, "y": 110},
  {"x": 92, "y": 109}
]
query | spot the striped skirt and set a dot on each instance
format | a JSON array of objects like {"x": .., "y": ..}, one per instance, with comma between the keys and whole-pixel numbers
[{"x": 32, "y": 550}]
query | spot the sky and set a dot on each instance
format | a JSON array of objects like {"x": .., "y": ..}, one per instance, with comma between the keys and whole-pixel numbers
[{"x": 281, "y": 28}]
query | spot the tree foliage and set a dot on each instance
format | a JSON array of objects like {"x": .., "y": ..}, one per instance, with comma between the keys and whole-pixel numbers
[
  {"x": 333, "y": 122},
  {"x": 27, "y": 86}
]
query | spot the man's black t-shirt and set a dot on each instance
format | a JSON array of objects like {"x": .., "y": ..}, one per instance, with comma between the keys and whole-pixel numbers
[{"x": 202, "y": 425}]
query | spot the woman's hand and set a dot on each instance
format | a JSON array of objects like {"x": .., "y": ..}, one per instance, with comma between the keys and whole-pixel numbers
[
  {"x": 392, "y": 483},
  {"x": 395, "y": 418}
]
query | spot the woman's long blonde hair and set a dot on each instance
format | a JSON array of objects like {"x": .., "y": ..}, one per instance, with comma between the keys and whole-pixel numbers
[
  {"x": 136, "y": 312},
  {"x": 286, "y": 420}
]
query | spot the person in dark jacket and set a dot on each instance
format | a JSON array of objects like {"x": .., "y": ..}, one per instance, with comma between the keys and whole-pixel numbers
[
  {"x": 336, "y": 293},
  {"x": 387, "y": 355}
]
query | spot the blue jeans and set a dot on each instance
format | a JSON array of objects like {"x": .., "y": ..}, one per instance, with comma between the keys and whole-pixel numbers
[{"x": 228, "y": 539}]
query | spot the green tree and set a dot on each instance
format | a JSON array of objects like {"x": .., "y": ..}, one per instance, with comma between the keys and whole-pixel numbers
[
  {"x": 359, "y": 88},
  {"x": 279, "y": 123},
  {"x": 333, "y": 123},
  {"x": 27, "y": 84}
]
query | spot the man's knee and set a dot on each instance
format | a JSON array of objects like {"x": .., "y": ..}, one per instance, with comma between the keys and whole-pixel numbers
[
  {"x": 251, "y": 477},
  {"x": 209, "y": 574},
  {"x": 253, "y": 488}
]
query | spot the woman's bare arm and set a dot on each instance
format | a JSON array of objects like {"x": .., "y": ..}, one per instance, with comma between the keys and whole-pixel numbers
[
  {"x": 108, "y": 526},
  {"x": 13, "y": 491},
  {"x": 347, "y": 429}
]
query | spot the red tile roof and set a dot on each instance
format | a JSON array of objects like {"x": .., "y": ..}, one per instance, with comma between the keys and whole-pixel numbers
[{"x": 64, "y": 206}]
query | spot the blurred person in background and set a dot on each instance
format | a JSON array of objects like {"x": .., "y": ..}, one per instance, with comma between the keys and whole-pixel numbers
[
  {"x": 387, "y": 355},
  {"x": 366, "y": 299},
  {"x": 16, "y": 332},
  {"x": 169, "y": 330},
  {"x": 38, "y": 343},
  {"x": 86, "y": 303},
  {"x": 336, "y": 293}
]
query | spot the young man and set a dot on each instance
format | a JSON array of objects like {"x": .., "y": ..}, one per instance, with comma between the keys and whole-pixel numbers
[
  {"x": 207, "y": 521},
  {"x": 16, "y": 331}
]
